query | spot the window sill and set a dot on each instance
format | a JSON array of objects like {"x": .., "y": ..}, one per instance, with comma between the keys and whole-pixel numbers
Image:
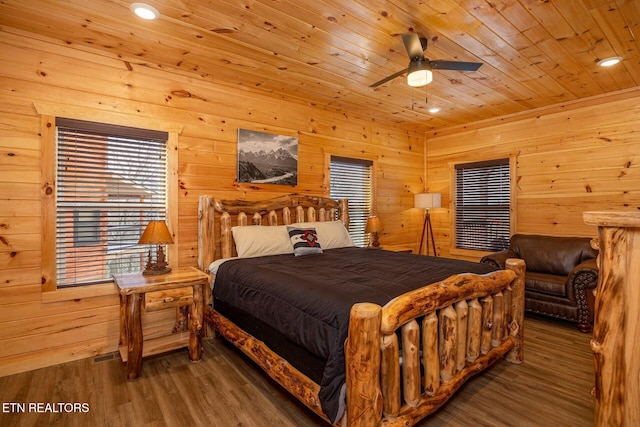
[{"x": 80, "y": 292}]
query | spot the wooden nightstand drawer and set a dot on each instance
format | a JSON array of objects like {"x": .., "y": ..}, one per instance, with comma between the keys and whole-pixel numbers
[{"x": 159, "y": 300}]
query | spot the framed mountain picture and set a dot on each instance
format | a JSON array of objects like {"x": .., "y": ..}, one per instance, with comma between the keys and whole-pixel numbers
[{"x": 265, "y": 158}]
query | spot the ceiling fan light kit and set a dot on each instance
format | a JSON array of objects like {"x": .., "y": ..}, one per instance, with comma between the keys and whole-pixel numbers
[{"x": 419, "y": 74}]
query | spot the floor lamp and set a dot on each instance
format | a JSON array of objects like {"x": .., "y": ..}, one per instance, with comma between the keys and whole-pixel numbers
[{"x": 427, "y": 201}]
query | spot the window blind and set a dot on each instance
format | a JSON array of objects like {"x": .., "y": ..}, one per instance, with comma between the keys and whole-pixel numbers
[
  {"x": 351, "y": 179},
  {"x": 111, "y": 181},
  {"x": 483, "y": 198}
]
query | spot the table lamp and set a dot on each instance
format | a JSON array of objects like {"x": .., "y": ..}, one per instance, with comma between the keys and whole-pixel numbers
[
  {"x": 156, "y": 233},
  {"x": 374, "y": 226}
]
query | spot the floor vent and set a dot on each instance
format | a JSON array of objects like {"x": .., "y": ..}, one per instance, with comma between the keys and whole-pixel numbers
[{"x": 104, "y": 357}]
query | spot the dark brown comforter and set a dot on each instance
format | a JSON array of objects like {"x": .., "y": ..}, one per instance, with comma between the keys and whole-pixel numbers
[{"x": 307, "y": 299}]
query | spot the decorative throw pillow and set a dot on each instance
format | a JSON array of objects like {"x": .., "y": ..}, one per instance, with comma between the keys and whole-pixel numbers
[
  {"x": 332, "y": 234},
  {"x": 304, "y": 241}
]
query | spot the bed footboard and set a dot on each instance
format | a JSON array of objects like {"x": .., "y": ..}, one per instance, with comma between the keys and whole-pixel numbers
[{"x": 467, "y": 323}]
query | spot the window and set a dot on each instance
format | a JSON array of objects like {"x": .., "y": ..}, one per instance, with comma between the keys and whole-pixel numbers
[
  {"x": 86, "y": 228},
  {"x": 110, "y": 182},
  {"x": 483, "y": 205},
  {"x": 351, "y": 179}
]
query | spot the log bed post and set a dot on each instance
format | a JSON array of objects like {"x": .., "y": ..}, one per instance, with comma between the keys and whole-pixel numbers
[
  {"x": 516, "y": 326},
  {"x": 206, "y": 229},
  {"x": 343, "y": 212},
  {"x": 362, "y": 354},
  {"x": 206, "y": 249}
]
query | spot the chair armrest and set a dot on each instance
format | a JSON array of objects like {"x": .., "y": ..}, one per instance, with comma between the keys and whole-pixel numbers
[
  {"x": 498, "y": 259},
  {"x": 584, "y": 275},
  {"x": 581, "y": 282}
]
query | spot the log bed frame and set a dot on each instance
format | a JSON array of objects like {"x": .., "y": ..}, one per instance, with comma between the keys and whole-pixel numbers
[{"x": 470, "y": 322}]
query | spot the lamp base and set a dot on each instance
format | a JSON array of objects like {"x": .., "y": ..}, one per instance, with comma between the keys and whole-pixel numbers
[
  {"x": 160, "y": 266},
  {"x": 376, "y": 241},
  {"x": 150, "y": 271},
  {"x": 429, "y": 229}
]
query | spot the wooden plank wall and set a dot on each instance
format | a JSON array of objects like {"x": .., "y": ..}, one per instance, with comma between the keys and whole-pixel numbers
[
  {"x": 72, "y": 81},
  {"x": 571, "y": 158}
]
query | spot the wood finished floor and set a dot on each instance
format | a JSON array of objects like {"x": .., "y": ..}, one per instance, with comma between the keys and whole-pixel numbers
[{"x": 552, "y": 388}]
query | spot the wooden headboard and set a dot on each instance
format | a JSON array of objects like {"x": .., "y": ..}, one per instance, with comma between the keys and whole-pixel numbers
[{"x": 216, "y": 217}]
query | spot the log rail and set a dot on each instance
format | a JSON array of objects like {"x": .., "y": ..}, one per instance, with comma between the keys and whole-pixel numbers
[{"x": 449, "y": 331}]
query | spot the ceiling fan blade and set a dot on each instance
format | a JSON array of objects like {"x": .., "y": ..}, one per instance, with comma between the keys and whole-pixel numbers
[
  {"x": 391, "y": 77},
  {"x": 413, "y": 45},
  {"x": 455, "y": 65},
  {"x": 423, "y": 43}
]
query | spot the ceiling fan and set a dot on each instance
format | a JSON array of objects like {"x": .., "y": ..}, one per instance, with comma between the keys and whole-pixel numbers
[{"x": 419, "y": 69}]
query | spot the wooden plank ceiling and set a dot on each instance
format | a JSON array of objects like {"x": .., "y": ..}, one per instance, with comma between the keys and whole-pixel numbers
[{"x": 328, "y": 52}]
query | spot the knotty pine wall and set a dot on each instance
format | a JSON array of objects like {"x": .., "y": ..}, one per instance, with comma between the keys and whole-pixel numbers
[
  {"x": 571, "y": 158},
  {"x": 43, "y": 76}
]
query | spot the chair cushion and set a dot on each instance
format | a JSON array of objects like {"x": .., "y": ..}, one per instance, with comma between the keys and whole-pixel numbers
[{"x": 546, "y": 283}]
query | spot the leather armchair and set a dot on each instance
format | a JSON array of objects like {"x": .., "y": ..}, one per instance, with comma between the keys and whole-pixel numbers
[{"x": 560, "y": 277}]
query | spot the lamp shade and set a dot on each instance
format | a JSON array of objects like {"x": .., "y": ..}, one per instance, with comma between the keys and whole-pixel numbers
[
  {"x": 427, "y": 200},
  {"x": 374, "y": 225},
  {"x": 156, "y": 233}
]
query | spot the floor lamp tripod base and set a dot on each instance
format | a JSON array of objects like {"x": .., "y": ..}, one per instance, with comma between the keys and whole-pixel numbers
[{"x": 426, "y": 226}]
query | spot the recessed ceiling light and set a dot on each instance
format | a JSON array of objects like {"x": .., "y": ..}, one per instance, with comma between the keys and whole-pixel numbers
[
  {"x": 608, "y": 62},
  {"x": 434, "y": 109},
  {"x": 145, "y": 11}
]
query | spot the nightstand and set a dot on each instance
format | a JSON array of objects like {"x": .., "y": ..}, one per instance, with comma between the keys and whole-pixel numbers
[{"x": 181, "y": 289}]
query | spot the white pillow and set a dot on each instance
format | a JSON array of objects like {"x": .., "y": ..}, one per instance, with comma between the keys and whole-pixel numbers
[
  {"x": 331, "y": 234},
  {"x": 261, "y": 240},
  {"x": 215, "y": 265}
]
